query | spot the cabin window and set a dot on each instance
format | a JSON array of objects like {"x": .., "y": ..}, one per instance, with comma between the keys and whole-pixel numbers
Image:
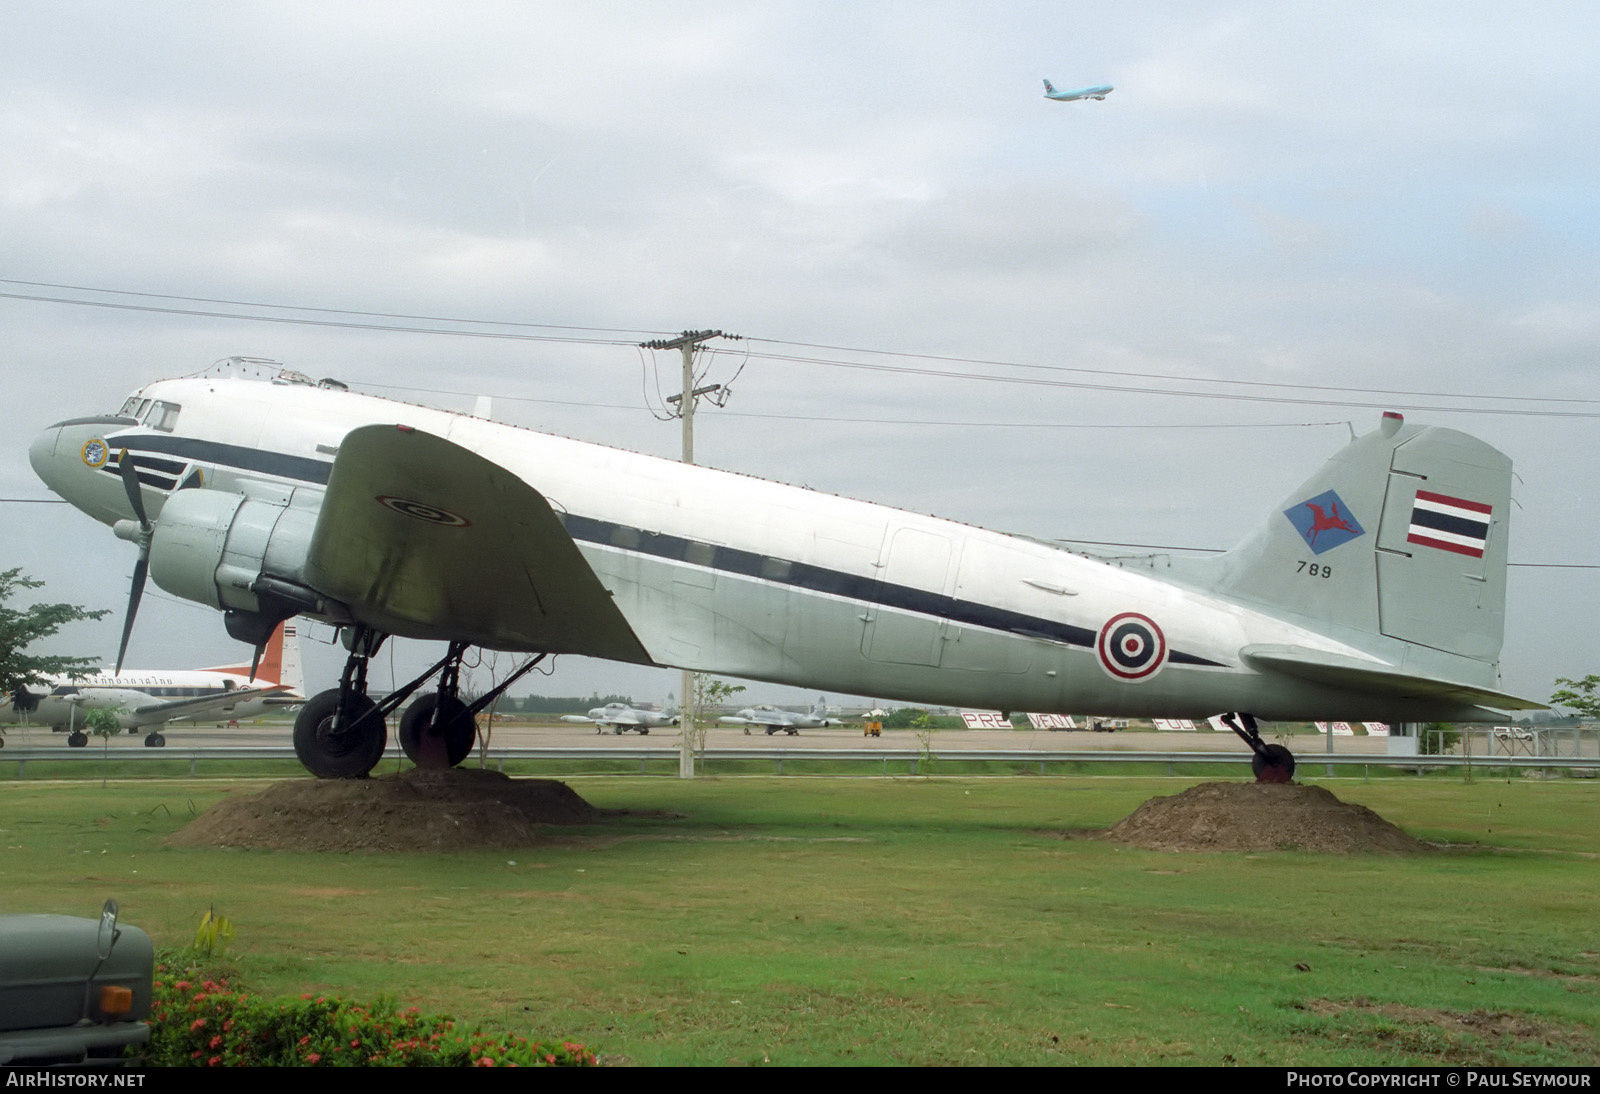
[
  {"x": 163, "y": 416},
  {"x": 700, "y": 554},
  {"x": 775, "y": 568},
  {"x": 623, "y": 536}
]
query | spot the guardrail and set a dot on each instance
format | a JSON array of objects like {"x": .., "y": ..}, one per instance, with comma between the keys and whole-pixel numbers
[{"x": 910, "y": 757}]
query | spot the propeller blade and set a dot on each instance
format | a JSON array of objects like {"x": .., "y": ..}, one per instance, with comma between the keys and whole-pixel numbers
[
  {"x": 255, "y": 661},
  {"x": 140, "y": 568},
  {"x": 130, "y": 483}
]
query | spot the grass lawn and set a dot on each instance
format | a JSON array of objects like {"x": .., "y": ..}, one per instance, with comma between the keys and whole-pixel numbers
[{"x": 905, "y": 921}]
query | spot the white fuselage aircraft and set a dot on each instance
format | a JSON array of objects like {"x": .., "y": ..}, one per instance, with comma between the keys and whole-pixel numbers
[
  {"x": 1099, "y": 92},
  {"x": 774, "y": 720},
  {"x": 1375, "y": 593},
  {"x": 154, "y": 697},
  {"x": 620, "y": 717}
]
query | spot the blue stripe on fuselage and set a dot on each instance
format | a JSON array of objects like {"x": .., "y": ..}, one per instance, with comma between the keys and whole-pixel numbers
[{"x": 732, "y": 560}]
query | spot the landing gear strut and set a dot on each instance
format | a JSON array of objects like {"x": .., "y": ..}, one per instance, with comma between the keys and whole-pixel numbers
[
  {"x": 1271, "y": 763},
  {"x": 340, "y": 733},
  {"x": 437, "y": 731}
]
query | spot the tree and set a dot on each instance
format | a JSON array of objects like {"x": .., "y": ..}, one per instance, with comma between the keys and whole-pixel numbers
[
  {"x": 708, "y": 693},
  {"x": 1579, "y": 696},
  {"x": 20, "y": 628},
  {"x": 104, "y": 723}
]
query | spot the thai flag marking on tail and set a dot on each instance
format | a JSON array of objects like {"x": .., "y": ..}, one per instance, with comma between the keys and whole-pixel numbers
[{"x": 1450, "y": 524}]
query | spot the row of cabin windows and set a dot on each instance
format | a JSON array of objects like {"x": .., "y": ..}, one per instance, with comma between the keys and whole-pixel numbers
[
  {"x": 152, "y": 412},
  {"x": 159, "y": 692}
]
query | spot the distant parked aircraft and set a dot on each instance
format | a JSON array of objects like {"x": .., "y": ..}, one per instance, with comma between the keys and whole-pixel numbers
[
  {"x": 773, "y": 720},
  {"x": 620, "y": 717},
  {"x": 153, "y": 697},
  {"x": 1080, "y": 93}
]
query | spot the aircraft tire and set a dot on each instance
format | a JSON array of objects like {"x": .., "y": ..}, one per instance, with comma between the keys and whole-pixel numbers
[
  {"x": 77, "y": 739},
  {"x": 448, "y": 743},
  {"x": 333, "y": 748},
  {"x": 155, "y": 740},
  {"x": 1277, "y": 766}
]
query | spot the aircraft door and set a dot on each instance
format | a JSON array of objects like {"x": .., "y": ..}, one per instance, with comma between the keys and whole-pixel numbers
[{"x": 902, "y": 625}]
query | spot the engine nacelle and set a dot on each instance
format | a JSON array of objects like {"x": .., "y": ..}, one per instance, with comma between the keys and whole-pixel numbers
[{"x": 215, "y": 547}]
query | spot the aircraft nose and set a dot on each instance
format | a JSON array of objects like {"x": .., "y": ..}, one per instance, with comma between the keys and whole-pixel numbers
[
  {"x": 69, "y": 457},
  {"x": 41, "y": 454}
]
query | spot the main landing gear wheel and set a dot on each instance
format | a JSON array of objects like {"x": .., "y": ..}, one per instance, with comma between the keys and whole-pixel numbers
[
  {"x": 77, "y": 739},
  {"x": 334, "y": 744},
  {"x": 1275, "y": 764},
  {"x": 439, "y": 740},
  {"x": 155, "y": 740}
]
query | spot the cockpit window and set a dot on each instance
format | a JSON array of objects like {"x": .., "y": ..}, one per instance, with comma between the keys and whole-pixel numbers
[
  {"x": 144, "y": 405},
  {"x": 163, "y": 416},
  {"x": 129, "y": 407}
]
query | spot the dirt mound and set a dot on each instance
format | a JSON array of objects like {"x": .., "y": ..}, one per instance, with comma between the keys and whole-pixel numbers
[
  {"x": 456, "y": 810},
  {"x": 1259, "y": 817}
]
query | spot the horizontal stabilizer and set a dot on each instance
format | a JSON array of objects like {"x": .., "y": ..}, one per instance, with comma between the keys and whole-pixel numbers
[{"x": 1353, "y": 673}]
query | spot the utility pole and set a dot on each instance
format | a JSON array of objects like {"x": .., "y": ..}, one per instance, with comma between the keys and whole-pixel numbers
[{"x": 687, "y": 342}]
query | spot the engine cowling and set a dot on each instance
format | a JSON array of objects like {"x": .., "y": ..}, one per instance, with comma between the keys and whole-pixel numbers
[{"x": 219, "y": 548}]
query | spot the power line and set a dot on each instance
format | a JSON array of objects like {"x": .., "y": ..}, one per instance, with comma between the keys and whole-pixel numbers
[
  {"x": 310, "y": 308},
  {"x": 1158, "y": 376},
  {"x": 520, "y": 332},
  {"x": 845, "y": 419},
  {"x": 1228, "y": 396}
]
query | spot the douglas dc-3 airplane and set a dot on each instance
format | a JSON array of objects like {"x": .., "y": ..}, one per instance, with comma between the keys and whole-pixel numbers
[
  {"x": 620, "y": 717},
  {"x": 1375, "y": 592},
  {"x": 1079, "y": 93},
  {"x": 773, "y": 720},
  {"x": 154, "y": 697}
]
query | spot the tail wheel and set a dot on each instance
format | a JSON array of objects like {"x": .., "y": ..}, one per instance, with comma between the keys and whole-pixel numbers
[
  {"x": 1274, "y": 765},
  {"x": 335, "y": 746},
  {"x": 439, "y": 740}
]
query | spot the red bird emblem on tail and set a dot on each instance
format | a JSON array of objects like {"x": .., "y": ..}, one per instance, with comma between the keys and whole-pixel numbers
[{"x": 1325, "y": 522}]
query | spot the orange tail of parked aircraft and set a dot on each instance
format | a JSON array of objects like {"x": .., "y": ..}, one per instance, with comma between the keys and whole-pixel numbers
[{"x": 280, "y": 660}]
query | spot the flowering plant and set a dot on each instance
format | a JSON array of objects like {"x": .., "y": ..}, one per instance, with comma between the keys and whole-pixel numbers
[{"x": 204, "y": 1022}]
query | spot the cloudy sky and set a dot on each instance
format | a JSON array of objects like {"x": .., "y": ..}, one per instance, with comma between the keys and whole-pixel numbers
[{"x": 1287, "y": 217}]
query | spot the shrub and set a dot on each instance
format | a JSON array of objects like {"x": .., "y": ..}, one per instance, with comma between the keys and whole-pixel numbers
[
  {"x": 204, "y": 1022},
  {"x": 1439, "y": 739}
]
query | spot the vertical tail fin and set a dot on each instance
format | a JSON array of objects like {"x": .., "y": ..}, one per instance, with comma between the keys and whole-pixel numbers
[
  {"x": 280, "y": 660},
  {"x": 1402, "y": 534}
]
